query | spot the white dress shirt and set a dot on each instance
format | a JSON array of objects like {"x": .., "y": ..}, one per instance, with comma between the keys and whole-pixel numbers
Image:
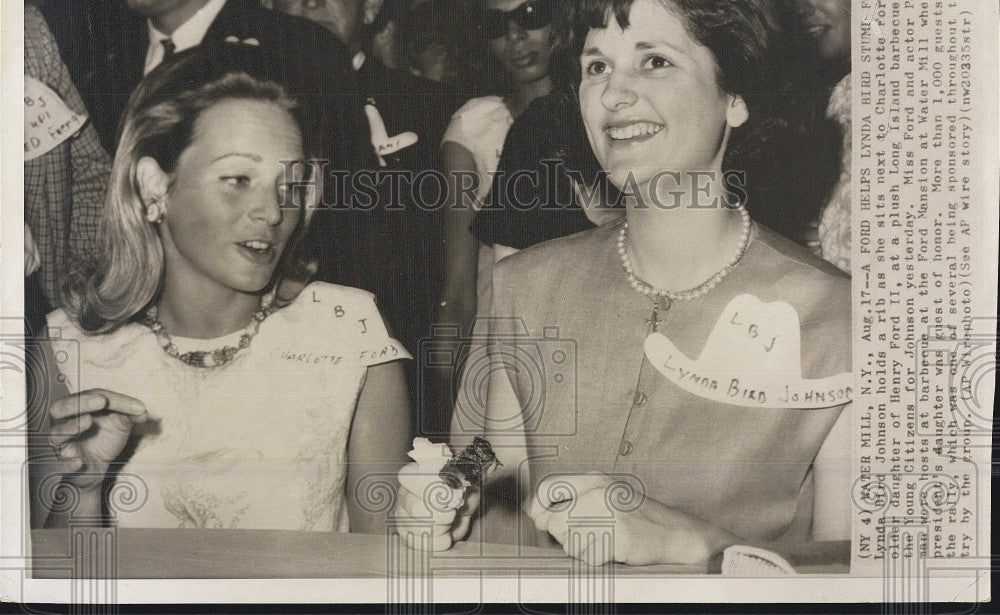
[{"x": 187, "y": 35}]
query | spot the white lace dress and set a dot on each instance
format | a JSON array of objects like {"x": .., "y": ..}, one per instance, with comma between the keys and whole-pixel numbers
[{"x": 258, "y": 443}]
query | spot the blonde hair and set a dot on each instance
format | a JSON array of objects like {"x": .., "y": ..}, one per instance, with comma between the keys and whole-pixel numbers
[{"x": 159, "y": 123}]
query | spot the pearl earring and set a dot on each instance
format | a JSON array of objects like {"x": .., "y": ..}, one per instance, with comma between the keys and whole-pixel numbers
[{"x": 155, "y": 212}]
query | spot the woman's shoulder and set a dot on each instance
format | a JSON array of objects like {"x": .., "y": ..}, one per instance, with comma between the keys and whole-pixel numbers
[
  {"x": 818, "y": 287},
  {"x": 819, "y": 292},
  {"x": 325, "y": 312},
  {"x": 40, "y": 49},
  {"x": 61, "y": 324},
  {"x": 331, "y": 303},
  {"x": 99, "y": 349},
  {"x": 559, "y": 258},
  {"x": 796, "y": 260},
  {"x": 326, "y": 290},
  {"x": 477, "y": 118},
  {"x": 480, "y": 107}
]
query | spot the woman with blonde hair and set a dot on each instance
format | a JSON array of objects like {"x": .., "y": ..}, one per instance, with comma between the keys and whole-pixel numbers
[{"x": 211, "y": 399}]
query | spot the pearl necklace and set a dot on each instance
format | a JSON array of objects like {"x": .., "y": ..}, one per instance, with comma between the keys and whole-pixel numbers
[
  {"x": 657, "y": 295},
  {"x": 207, "y": 358}
]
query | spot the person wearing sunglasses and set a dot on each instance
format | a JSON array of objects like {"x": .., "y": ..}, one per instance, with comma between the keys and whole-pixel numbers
[{"x": 520, "y": 38}]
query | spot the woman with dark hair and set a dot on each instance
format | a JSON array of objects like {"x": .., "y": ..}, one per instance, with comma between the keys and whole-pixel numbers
[
  {"x": 520, "y": 36},
  {"x": 667, "y": 386},
  {"x": 210, "y": 398}
]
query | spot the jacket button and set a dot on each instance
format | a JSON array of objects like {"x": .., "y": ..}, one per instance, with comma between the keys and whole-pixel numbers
[
  {"x": 640, "y": 399},
  {"x": 625, "y": 449}
]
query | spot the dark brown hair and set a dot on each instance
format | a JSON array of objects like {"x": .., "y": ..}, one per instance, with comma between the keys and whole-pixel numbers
[{"x": 739, "y": 34}]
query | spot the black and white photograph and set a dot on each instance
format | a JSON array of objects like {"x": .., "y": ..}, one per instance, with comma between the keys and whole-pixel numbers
[{"x": 527, "y": 301}]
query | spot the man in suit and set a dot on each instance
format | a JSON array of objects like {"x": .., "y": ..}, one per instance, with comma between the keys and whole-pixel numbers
[
  {"x": 134, "y": 36},
  {"x": 390, "y": 245}
]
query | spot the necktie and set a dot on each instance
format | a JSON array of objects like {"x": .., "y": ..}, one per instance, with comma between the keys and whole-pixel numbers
[{"x": 168, "y": 48}]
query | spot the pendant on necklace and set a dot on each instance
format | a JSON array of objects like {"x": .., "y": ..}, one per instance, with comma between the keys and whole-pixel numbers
[{"x": 660, "y": 303}]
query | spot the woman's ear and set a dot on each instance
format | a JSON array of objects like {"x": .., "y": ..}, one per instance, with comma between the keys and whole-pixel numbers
[
  {"x": 153, "y": 181},
  {"x": 737, "y": 113}
]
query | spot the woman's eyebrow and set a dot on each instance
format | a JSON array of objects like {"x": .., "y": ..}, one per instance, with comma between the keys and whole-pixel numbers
[
  {"x": 253, "y": 157},
  {"x": 591, "y": 51},
  {"x": 647, "y": 45}
]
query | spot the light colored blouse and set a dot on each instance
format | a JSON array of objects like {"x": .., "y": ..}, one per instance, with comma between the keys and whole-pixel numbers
[
  {"x": 481, "y": 126},
  {"x": 659, "y": 412},
  {"x": 257, "y": 443}
]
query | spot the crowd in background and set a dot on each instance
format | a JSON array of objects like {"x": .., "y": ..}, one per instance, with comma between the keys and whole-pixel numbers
[
  {"x": 477, "y": 96},
  {"x": 273, "y": 207}
]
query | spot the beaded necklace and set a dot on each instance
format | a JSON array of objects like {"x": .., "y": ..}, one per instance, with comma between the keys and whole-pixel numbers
[
  {"x": 207, "y": 358},
  {"x": 662, "y": 299}
]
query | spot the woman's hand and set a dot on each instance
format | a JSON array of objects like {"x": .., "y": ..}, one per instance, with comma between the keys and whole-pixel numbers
[
  {"x": 89, "y": 430},
  {"x": 431, "y": 513},
  {"x": 598, "y": 526},
  {"x": 427, "y": 521}
]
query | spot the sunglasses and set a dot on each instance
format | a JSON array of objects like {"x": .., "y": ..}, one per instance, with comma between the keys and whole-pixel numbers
[{"x": 532, "y": 15}]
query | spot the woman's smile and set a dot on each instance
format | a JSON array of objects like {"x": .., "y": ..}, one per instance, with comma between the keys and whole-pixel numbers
[
  {"x": 524, "y": 60},
  {"x": 632, "y": 132},
  {"x": 258, "y": 251},
  {"x": 649, "y": 97}
]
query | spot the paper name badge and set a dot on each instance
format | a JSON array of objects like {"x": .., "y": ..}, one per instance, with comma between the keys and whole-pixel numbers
[
  {"x": 381, "y": 141},
  {"x": 752, "y": 358},
  {"x": 47, "y": 120}
]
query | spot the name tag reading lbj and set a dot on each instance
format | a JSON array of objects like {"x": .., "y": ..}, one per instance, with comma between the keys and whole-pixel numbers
[
  {"x": 47, "y": 120},
  {"x": 752, "y": 358}
]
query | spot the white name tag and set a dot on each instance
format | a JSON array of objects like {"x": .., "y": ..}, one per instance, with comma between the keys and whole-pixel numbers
[
  {"x": 47, "y": 120},
  {"x": 381, "y": 141},
  {"x": 752, "y": 358}
]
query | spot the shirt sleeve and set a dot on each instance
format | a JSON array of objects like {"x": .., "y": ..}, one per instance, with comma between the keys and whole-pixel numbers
[
  {"x": 472, "y": 119},
  {"x": 351, "y": 316},
  {"x": 90, "y": 164},
  {"x": 455, "y": 132}
]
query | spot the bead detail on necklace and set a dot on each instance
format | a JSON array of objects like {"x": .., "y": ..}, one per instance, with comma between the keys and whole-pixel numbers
[
  {"x": 207, "y": 358},
  {"x": 658, "y": 295}
]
